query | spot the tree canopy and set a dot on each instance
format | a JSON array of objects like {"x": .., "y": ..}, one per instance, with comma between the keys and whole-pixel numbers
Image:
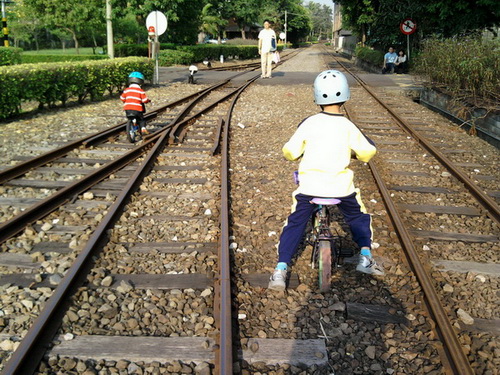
[
  {"x": 377, "y": 21},
  {"x": 84, "y": 21}
]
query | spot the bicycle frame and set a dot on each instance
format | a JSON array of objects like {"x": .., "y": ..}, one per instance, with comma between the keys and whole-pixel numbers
[{"x": 321, "y": 231}]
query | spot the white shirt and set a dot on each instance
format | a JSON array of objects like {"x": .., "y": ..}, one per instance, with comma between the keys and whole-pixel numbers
[
  {"x": 266, "y": 35},
  {"x": 325, "y": 142}
]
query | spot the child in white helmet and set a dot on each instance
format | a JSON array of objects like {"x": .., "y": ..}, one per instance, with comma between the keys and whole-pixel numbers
[{"x": 325, "y": 142}]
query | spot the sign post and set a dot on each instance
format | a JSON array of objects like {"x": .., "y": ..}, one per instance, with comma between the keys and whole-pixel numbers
[
  {"x": 407, "y": 27},
  {"x": 156, "y": 23}
]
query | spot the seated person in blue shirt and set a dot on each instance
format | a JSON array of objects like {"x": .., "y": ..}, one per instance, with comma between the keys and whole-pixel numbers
[{"x": 389, "y": 61}]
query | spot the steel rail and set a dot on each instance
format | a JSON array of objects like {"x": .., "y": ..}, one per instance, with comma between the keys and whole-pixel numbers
[
  {"x": 49, "y": 204},
  {"x": 224, "y": 351},
  {"x": 455, "y": 356},
  {"x": 32, "y": 348},
  {"x": 177, "y": 134},
  {"x": 148, "y": 117},
  {"x": 452, "y": 348},
  {"x": 22, "y": 168},
  {"x": 488, "y": 203}
]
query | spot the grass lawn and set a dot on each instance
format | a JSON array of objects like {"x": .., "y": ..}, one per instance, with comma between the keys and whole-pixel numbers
[{"x": 67, "y": 51}]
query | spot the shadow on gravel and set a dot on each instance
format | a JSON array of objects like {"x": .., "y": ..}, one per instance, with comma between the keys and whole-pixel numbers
[{"x": 360, "y": 324}]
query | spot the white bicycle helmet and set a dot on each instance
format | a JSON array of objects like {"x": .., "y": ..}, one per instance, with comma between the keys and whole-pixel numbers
[{"x": 330, "y": 87}]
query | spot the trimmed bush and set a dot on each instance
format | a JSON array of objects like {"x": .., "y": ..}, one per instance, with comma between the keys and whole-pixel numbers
[
  {"x": 126, "y": 50},
  {"x": 36, "y": 59},
  {"x": 174, "y": 57},
  {"x": 50, "y": 83},
  {"x": 213, "y": 51},
  {"x": 369, "y": 55},
  {"x": 10, "y": 55}
]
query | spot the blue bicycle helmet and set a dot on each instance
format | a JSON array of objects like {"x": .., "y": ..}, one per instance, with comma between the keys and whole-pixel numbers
[{"x": 136, "y": 77}]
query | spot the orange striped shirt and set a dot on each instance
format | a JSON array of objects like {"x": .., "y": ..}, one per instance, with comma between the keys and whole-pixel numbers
[{"x": 134, "y": 98}]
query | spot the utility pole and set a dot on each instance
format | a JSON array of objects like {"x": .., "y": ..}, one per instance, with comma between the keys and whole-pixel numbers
[
  {"x": 4, "y": 25},
  {"x": 109, "y": 30},
  {"x": 285, "y": 28}
]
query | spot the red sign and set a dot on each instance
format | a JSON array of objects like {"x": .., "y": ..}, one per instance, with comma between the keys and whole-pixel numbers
[
  {"x": 408, "y": 26},
  {"x": 151, "y": 29}
]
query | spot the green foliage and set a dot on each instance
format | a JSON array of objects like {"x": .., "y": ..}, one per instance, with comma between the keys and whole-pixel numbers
[
  {"x": 183, "y": 16},
  {"x": 468, "y": 65},
  {"x": 173, "y": 57},
  {"x": 378, "y": 21},
  {"x": 50, "y": 83},
  {"x": 213, "y": 51},
  {"x": 10, "y": 55},
  {"x": 321, "y": 19},
  {"x": 75, "y": 17},
  {"x": 242, "y": 42},
  {"x": 39, "y": 58},
  {"x": 126, "y": 50},
  {"x": 370, "y": 55}
]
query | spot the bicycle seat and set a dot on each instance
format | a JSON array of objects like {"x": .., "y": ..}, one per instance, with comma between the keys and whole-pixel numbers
[{"x": 326, "y": 201}]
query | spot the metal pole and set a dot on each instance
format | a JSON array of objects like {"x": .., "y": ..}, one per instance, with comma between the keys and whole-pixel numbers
[
  {"x": 109, "y": 30},
  {"x": 284, "y": 47},
  {"x": 333, "y": 27},
  {"x": 408, "y": 46},
  {"x": 4, "y": 26},
  {"x": 156, "y": 79}
]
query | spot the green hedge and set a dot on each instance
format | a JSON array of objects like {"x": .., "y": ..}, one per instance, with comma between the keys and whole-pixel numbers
[
  {"x": 126, "y": 50},
  {"x": 170, "y": 54},
  {"x": 369, "y": 55},
  {"x": 174, "y": 57},
  {"x": 36, "y": 59},
  {"x": 10, "y": 55},
  {"x": 50, "y": 83},
  {"x": 213, "y": 51}
]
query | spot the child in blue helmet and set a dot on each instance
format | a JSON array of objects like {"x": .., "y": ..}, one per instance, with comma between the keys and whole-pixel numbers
[
  {"x": 325, "y": 142},
  {"x": 135, "y": 99}
]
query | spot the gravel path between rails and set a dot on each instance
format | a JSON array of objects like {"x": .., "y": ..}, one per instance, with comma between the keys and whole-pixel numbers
[
  {"x": 35, "y": 134},
  {"x": 262, "y": 184}
]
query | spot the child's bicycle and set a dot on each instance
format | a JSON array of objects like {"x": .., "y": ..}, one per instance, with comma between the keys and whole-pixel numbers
[
  {"x": 133, "y": 130},
  {"x": 327, "y": 246}
]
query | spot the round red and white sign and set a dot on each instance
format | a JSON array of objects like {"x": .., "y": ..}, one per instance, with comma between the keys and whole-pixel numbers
[{"x": 408, "y": 26}]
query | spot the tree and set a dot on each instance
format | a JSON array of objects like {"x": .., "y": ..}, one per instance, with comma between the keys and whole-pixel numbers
[
  {"x": 212, "y": 23},
  {"x": 321, "y": 16},
  {"x": 24, "y": 26},
  {"x": 299, "y": 21},
  {"x": 246, "y": 13},
  {"x": 73, "y": 16},
  {"x": 377, "y": 21},
  {"x": 184, "y": 16}
]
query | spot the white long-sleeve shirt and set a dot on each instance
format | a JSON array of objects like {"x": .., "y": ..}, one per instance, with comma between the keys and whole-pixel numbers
[{"x": 325, "y": 142}]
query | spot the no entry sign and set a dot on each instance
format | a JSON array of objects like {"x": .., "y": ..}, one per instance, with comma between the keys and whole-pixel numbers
[{"x": 408, "y": 26}]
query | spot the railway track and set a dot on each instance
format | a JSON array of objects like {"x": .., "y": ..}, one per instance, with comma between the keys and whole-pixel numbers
[
  {"x": 157, "y": 275},
  {"x": 154, "y": 211},
  {"x": 419, "y": 176}
]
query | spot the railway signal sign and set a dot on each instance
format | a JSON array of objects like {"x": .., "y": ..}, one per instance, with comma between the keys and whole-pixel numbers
[
  {"x": 408, "y": 26},
  {"x": 156, "y": 23}
]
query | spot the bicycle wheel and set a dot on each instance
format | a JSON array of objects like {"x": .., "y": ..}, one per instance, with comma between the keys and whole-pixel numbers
[
  {"x": 133, "y": 134},
  {"x": 325, "y": 265}
]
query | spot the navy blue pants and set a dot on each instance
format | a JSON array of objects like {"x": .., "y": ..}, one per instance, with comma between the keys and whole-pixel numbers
[
  {"x": 138, "y": 115},
  {"x": 354, "y": 214}
]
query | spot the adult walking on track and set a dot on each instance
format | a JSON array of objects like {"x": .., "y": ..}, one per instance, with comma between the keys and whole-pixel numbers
[{"x": 267, "y": 47}]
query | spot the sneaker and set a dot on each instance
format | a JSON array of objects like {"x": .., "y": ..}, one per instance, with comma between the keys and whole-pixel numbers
[
  {"x": 278, "y": 280},
  {"x": 369, "y": 266},
  {"x": 144, "y": 131}
]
